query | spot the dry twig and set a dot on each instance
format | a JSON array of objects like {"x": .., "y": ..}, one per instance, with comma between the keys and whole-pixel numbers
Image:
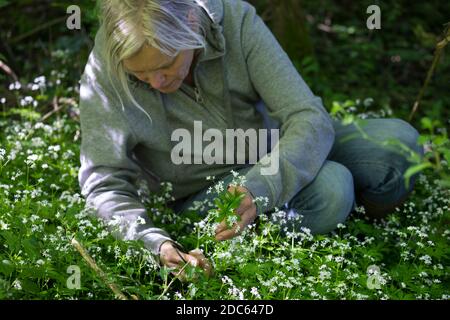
[
  {"x": 437, "y": 54},
  {"x": 114, "y": 288}
]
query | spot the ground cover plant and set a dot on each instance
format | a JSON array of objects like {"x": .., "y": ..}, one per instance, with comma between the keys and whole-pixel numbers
[{"x": 47, "y": 234}]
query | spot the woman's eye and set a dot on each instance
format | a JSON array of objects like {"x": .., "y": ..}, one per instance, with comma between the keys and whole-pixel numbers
[{"x": 169, "y": 66}]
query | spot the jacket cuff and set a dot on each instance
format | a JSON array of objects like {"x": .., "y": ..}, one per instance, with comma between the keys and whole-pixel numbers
[
  {"x": 260, "y": 187},
  {"x": 153, "y": 241}
]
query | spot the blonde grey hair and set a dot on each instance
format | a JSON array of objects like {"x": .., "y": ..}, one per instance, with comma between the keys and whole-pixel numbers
[{"x": 167, "y": 25}]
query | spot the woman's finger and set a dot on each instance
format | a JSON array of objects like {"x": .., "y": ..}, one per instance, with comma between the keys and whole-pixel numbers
[
  {"x": 236, "y": 229},
  {"x": 227, "y": 234},
  {"x": 221, "y": 227},
  {"x": 183, "y": 259},
  {"x": 203, "y": 262}
]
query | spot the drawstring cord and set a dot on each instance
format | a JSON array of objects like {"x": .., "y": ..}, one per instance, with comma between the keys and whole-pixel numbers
[{"x": 226, "y": 96}]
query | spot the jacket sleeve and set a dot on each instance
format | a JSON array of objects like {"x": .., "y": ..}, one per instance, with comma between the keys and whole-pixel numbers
[
  {"x": 107, "y": 175},
  {"x": 306, "y": 131}
]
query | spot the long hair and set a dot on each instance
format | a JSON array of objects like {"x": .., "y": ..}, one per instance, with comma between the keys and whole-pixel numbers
[{"x": 161, "y": 24}]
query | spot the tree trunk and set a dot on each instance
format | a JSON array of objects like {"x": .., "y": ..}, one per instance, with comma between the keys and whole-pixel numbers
[{"x": 287, "y": 21}]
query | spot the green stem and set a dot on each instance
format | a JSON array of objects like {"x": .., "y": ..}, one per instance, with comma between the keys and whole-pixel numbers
[
  {"x": 28, "y": 170},
  {"x": 437, "y": 157},
  {"x": 172, "y": 281}
]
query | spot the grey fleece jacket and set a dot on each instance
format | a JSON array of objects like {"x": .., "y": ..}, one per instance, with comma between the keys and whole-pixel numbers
[{"x": 242, "y": 64}]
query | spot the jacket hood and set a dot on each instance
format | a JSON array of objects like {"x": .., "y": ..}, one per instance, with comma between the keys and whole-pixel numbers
[
  {"x": 215, "y": 41},
  {"x": 214, "y": 9}
]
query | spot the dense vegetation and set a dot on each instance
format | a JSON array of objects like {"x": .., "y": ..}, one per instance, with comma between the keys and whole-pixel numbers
[{"x": 359, "y": 73}]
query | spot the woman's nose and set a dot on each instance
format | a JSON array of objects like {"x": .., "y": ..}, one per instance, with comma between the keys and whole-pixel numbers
[{"x": 158, "y": 80}]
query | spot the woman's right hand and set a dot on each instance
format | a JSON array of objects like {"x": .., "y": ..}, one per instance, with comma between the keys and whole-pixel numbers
[{"x": 172, "y": 257}]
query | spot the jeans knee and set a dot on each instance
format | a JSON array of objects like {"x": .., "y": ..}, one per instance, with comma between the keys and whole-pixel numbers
[
  {"x": 336, "y": 197},
  {"x": 406, "y": 134}
]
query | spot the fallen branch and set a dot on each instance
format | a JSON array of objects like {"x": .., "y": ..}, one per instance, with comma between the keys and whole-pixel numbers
[
  {"x": 8, "y": 71},
  {"x": 437, "y": 54},
  {"x": 114, "y": 288},
  {"x": 56, "y": 108}
]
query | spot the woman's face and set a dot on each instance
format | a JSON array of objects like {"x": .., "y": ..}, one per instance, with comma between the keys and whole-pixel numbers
[{"x": 161, "y": 72}]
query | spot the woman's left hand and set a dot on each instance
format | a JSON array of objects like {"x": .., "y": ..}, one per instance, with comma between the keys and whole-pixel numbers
[{"x": 247, "y": 211}]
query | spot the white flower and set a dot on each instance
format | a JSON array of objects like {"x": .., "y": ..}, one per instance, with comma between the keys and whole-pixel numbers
[
  {"x": 227, "y": 280},
  {"x": 140, "y": 220},
  {"x": 15, "y": 86},
  {"x": 192, "y": 289},
  {"x": 262, "y": 201},
  {"x": 234, "y": 173},
  {"x": 28, "y": 100},
  {"x": 232, "y": 219},
  {"x": 219, "y": 187},
  {"x": 32, "y": 157},
  {"x": 55, "y": 148},
  {"x": 3, "y": 225},
  {"x": 324, "y": 275},
  {"x": 17, "y": 284},
  {"x": 40, "y": 81},
  {"x": 179, "y": 296},
  {"x": 368, "y": 102},
  {"x": 426, "y": 259},
  {"x": 306, "y": 230}
]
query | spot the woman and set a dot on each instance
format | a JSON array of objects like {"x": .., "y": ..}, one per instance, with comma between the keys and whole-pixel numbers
[{"x": 159, "y": 66}]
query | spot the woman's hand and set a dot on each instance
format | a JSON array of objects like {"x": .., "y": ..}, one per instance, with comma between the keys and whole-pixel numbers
[
  {"x": 172, "y": 257},
  {"x": 247, "y": 211}
]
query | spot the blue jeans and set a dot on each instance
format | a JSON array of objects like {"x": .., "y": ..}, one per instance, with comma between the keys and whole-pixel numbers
[{"x": 357, "y": 171}]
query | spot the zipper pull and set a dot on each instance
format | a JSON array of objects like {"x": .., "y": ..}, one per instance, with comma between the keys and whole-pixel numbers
[{"x": 198, "y": 96}]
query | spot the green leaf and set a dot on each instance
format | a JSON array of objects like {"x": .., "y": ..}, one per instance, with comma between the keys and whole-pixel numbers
[
  {"x": 336, "y": 108},
  {"x": 415, "y": 169},
  {"x": 4, "y": 3},
  {"x": 446, "y": 154},
  {"x": 164, "y": 272},
  {"x": 440, "y": 140},
  {"x": 426, "y": 123},
  {"x": 6, "y": 267}
]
